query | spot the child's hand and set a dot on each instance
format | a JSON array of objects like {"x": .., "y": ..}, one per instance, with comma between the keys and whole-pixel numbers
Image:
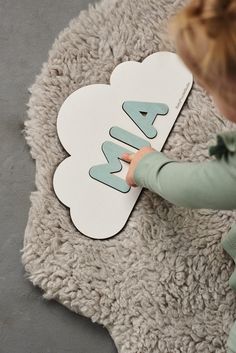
[{"x": 133, "y": 159}]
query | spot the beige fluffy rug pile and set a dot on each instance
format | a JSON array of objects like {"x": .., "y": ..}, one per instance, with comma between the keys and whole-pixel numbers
[{"x": 161, "y": 285}]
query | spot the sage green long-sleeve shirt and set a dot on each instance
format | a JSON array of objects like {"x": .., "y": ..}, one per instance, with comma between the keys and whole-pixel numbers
[{"x": 209, "y": 184}]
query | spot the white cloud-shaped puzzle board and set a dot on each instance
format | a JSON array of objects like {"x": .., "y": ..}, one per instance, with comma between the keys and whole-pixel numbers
[{"x": 97, "y": 123}]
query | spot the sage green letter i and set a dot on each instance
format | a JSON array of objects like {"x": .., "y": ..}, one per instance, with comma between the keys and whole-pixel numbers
[
  {"x": 134, "y": 109},
  {"x": 103, "y": 172},
  {"x": 127, "y": 137}
]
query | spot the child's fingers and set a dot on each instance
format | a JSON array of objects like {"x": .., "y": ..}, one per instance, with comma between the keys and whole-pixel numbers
[
  {"x": 129, "y": 179},
  {"x": 127, "y": 157}
]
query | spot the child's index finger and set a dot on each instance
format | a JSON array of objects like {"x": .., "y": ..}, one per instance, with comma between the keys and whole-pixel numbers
[{"x": 126, "y": 157}]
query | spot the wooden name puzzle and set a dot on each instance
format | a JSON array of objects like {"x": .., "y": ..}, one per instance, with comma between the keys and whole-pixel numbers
[{"x": 98, "y": 123}]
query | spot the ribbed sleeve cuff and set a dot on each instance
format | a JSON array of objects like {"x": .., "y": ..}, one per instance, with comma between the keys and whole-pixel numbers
[{"x": 148, "y": 167}]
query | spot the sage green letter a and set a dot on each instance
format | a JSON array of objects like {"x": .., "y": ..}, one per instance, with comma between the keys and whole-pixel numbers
[{"x": 135, "y": 110}]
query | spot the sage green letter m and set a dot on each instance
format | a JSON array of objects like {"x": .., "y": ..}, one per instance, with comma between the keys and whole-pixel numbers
[{"x": 103, "y": 172}]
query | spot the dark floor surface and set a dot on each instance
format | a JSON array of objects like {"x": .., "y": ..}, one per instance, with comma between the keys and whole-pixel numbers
[{"x": 28, "y": 323}]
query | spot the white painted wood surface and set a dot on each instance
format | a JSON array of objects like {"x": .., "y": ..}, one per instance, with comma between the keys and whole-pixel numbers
[{"x": 84, "y": 120}]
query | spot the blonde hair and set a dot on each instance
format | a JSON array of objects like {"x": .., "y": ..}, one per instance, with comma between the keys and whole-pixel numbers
[{"x": 213, "y": 23}]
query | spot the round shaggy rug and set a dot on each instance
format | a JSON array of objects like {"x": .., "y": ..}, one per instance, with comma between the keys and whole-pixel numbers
[{"x": 161, "y": 285}]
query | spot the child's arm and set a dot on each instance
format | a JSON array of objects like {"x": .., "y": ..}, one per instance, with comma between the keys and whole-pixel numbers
[{"x": 209, "y": 184}]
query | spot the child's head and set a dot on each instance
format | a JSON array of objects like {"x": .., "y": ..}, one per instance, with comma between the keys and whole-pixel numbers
[{"x": 205, "y": 38}]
